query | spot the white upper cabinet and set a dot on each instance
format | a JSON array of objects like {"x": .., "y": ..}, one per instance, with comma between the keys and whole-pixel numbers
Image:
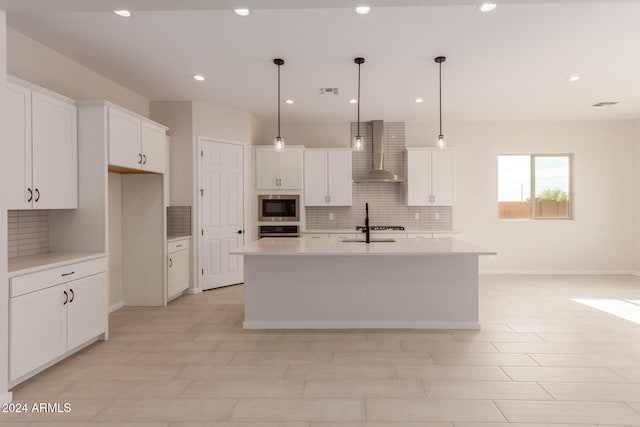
[
  {"x": 430, "y": 177},
  {"x": 327, "y": 177},
  {"x": 16, "y": 166},
  {"x": 279, "y": 171},
  {"x": 154, "y": 141},
  {"x": 41, "y": 168},
  {"x": 124, "y": 139},
  {"x": 136, "y": 143},
  {"x": 55, "y": 152}
]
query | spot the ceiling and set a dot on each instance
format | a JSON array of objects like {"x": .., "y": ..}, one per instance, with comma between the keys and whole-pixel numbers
[{"x": 509, "y": 64}]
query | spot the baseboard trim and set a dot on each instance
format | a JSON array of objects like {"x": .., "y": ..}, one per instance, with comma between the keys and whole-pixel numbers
[
  {"x": 116, "y": 306},
  {"x": 193, "y": 291},
  {"x": 6, "y": 397},
  {"x": 358, "y": 325},
  {"x": 560, "y": 272}
]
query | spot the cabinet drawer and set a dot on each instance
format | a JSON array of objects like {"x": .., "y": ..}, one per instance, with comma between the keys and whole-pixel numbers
[
  {"x": 178, "y": 245},
  {"x": 21, "y": 285}
]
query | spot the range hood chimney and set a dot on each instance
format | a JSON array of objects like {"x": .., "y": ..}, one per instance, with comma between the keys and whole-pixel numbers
[{"x": 378, "y": 173}]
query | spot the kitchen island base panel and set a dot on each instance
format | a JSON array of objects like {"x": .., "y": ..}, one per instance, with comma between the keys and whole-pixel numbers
[{"x": 353, "y": 292}]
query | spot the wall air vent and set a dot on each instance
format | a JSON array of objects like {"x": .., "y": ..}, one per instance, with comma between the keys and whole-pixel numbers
[
  {"x": 605, "y": 104},
  {"x": 329, "y": 91}
]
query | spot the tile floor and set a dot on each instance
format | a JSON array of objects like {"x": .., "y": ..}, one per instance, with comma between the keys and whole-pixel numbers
[{"x": 541, "y": 359}]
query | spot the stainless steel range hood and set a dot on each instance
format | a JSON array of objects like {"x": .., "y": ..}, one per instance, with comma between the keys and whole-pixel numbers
[{"x": 378, "y": 173}]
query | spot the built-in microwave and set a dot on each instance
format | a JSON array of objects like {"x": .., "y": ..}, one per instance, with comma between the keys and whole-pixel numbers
[{"x": 278, "y": 208}]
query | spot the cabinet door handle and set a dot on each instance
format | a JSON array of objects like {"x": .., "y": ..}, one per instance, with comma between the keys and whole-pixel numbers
[
  {"x": 170, "y": 263},
  {"x": 67, "y": 274},
  {"x": 179, "y": 246},
  {"x": 37, "y": 195},
  {"x": 145, "y": 159},
  {"x": 66, "y": 297},
  {"x": 73, "y": 295},
  {"x": 139, "y": 158},
  {"x": 30, "y": 194}
]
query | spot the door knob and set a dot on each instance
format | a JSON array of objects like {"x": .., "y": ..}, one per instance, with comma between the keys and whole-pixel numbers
[{"x": 240, "y": 231}]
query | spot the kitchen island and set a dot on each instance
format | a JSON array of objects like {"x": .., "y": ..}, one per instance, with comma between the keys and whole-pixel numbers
[{"x": 304, "y": 283}]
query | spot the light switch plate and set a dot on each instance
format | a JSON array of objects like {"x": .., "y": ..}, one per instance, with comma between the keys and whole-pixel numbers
[
  {"x": 331, "y": 217},
  {"x": 416, "y": 216},
  {"x": 437, "y": 215}
]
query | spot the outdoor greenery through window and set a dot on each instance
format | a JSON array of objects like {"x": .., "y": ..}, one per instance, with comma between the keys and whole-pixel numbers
[{"x": 547, "y": 176}]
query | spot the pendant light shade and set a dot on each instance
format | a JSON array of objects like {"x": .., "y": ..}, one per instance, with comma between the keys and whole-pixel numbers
[
  {"x": 358, "y": 141},
  {"x": 278, "y": 142},
  {"x": 441, "y": 143}
]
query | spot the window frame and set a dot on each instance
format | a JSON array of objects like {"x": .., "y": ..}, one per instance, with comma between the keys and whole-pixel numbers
[{"x": 532, "y": 172}]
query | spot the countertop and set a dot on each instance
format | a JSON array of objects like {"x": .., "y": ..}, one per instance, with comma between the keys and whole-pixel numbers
[
  {"x": 171, "y": 239},
  {"x": 401, "y": 246},
  {"x": 33, "y": 263},
  {"x": 351, "y": 230}
]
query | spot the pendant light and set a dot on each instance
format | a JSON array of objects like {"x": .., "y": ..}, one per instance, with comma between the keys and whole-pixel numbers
[
  {"x": 278, "y": 142},
  {"x": 358, "y": 141},
  {"x": 441, "y": 143}
]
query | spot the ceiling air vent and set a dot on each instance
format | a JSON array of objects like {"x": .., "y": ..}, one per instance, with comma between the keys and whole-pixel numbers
[
  {"x": 605, "y": 104},
  {"x": 328, "y": 91}
]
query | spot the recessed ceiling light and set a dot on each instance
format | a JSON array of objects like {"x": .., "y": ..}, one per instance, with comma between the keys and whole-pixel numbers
[
  {"x": 288, "y": 101},
  {"x": 574, "y": 78},
  {"x": 363, "y": 10},
  {"x": 353, "y": 101},
  {"x": 242, "y": 12},
  {"x": 487, "y": 7},
  {"x": 419, "y": 100},
  {"x": 198, "y": 77},
  {"x": 124, "y": 13}
]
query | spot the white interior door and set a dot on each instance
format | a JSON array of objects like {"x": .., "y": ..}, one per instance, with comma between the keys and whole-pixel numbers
[{"x": 221, "y": 213}]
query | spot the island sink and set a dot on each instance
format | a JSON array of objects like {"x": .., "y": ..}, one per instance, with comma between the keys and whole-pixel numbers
[{"x": 370, "y": 240}]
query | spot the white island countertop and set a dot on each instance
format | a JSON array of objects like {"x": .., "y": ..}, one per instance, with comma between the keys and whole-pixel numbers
[{"x": 332, "y": 247}]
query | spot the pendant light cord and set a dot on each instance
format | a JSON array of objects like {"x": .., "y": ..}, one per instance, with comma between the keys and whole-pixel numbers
[
  {"x": 279, "y": 101},
  {"x": 440, "y": 84},
  {"x": 358, "y": 133}
]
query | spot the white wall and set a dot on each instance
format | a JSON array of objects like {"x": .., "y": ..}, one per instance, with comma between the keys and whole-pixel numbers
[
  {"x": 34, "y": 62},
  {"x": 636, "y": 196},
  {"x": 598, "y": 240},
  {"x": 116, "y": 290},
  {"x": 325, "y": 135},
  {"x": 222, "y": 123},
  {"x": 4, "y": 281},
  {"x": 178, "y": 116}
]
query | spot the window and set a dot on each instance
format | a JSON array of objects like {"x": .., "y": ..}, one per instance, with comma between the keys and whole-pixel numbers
[{"x": 547, "y": 176}]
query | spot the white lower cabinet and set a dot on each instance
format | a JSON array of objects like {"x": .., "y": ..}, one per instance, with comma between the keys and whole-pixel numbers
[
  {"x": 177, "y": 268},
  {"x": 51, "y": 315}
]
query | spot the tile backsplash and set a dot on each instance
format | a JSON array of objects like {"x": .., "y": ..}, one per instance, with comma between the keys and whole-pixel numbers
[
  {"x": 387, "y": 202},
  {"x": 28, "y": 232},
  {"x": 179, "y": 221}
]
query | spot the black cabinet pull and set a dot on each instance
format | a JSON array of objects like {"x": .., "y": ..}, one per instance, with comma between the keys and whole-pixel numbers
[
  {"x": 37, "y": 195},
  {"x": 68, "y": 274},
  {"x": 145, "y": 159},
  {"x": 170, "y": 263},
  {"x": 139, "y": 158},
  {"x": 179, "y": 246},
  {"x": 30, "y": 195},
  {"x": 66, "y": 297},
  {"x": 240, "y": 231},
  {"x": 73, "y": 295}
]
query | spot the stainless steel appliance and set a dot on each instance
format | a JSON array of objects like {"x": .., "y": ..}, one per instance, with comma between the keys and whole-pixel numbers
[
  {"x": 381, "y": 228},
  {"x": 278, "y": 208},
  {"x": 279, "y": 231}
]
